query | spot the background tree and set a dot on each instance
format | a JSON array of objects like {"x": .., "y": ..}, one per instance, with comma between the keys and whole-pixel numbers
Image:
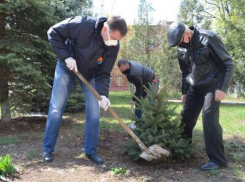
[
  {"x": 68, "y": 8},
  {"x": 230, "y": 26},
  {"x": 140, "y": 46},
  {"x": 166, "y": 65},
  {"x": 26, "y": 60},
  {"x": 193, "y": 12},
  {"x": 5, "y": 107}
]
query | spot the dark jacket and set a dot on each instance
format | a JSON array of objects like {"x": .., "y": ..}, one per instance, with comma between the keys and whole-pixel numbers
[
  {"x": 140, "y": 76},
  {"x": 210, "y": 61},
  {"x": 80, "y": 38},
  {"x": 184, "y": 58}
]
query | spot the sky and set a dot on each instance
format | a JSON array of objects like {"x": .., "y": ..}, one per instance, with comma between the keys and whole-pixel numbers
[{"x": 128, "y": 9}]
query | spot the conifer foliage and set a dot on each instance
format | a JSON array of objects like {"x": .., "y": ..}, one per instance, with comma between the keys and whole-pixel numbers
[
  {"x": 160, "y": 125},
  {"x": 25, "y": 54},
  {"x": 27, "y": 62}
]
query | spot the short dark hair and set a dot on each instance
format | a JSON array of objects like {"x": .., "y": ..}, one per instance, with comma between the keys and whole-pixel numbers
[
  {"x": 117, "y": 23},
  {"x": 122, "y": 61}
]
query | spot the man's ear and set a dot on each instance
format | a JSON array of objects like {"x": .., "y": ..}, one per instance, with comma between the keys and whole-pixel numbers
[
  {"x": 104, "y": 26},
  {"x": 103, "y": 31}
]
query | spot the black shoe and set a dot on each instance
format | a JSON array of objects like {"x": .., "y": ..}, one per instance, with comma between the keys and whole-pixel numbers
[
  {"x": 95, "y": 159},
  {"x": 47, "y": 157},
  {"x": 209, "y": 166}
]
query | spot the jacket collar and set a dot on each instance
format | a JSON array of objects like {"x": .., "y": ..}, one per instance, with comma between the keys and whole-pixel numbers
[
  {"x": 99, "y": 24},
  {"x": 195, "y": 35}
]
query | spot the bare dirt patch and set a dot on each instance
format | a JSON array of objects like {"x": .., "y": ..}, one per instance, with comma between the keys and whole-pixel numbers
[{"x": 71, "y": 165}]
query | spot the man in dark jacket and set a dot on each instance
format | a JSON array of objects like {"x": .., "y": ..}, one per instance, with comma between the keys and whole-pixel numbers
[
  {"x": 140, "y": 76},
  {"x": 210, "y": 73},
  {"x": 89, "y": 46}
]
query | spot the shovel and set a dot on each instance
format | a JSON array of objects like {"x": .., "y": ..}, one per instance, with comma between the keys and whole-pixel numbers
[{"x": 154, "y": 153}]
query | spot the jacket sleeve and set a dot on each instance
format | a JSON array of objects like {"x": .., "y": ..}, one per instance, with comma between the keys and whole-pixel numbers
[
  {"x": 184, "y": 71},
  {"x": 58, "y": 34},
  {"x": 102, "y": 77},
  {"x": 222, "y": 56}
]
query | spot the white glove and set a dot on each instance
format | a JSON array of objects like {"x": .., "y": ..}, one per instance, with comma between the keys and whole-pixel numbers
[
  {"x": 71, "y": 63},
  {"x": 104, "y": 103}
]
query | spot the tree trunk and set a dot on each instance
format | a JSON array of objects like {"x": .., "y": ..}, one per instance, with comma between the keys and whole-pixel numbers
[{"x": 5, "y": 106}]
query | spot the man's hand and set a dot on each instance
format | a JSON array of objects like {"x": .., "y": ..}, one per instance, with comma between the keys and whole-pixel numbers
[
  {"x": 219, "y": 95},
  {"x": 132, "y": 102},
  {"x": 71, "y": 63},
  {"x": 104, "y": 103},
  {"x": 183, "y": 97}
]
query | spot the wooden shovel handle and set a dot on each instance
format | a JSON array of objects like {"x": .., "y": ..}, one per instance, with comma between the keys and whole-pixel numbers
[{"x": 141, "y": 144}]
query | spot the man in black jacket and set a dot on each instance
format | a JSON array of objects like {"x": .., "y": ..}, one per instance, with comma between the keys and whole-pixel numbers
[
  {"x": 90, "y": 46},
  {"x": 140, "y": 76},
  {"x": 210, "y": 72}
]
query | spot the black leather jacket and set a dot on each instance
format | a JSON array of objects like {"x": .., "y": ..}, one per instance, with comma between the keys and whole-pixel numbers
[
  {"x": 210, "y": 62},
  {"x": 80, "y": 38},
  {"x": 140, "y": 76},
  {"x": 184, "y": 58}
]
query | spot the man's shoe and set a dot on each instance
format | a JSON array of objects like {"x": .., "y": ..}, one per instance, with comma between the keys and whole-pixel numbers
[
  {"x": 47, "y": 157},
  {"x": 209, "y": 166},
  {"x": 95, "y": 159}
]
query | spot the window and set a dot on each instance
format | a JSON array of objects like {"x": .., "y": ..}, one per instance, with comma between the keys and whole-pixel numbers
[
  {"x": 119, "y": 80},
  {"x": 132, "y": 88}
]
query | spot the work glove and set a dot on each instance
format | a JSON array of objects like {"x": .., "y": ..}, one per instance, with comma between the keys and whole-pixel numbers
[
  {"x": 71, "y": 63},
  {"x": 104, "y": 103}
]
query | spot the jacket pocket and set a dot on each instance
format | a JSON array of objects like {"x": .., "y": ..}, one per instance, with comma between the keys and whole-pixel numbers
[{"x": 203, "y": 55}]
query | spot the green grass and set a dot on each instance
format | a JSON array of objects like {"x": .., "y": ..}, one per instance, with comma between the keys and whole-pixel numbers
[
  {"x": 238, "y": 172},
  {"x": 232, "y": 118},
  {"x": 121, "y": 105},
  {"x": 32, "y": 155},
  {"x": 8, "y": 140},
  {"x": 232, "y": 98}
]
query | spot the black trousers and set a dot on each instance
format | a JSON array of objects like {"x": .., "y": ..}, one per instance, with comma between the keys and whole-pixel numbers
[
  {"x": 196, "y": 100},
  {"x": 138, "y": 111}
]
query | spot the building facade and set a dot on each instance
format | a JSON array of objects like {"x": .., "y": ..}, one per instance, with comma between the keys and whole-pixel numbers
[{"x": 118, "y": 81}]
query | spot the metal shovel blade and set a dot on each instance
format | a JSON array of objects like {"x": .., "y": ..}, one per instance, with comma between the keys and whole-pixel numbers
[{"x": 157, "y": 154}]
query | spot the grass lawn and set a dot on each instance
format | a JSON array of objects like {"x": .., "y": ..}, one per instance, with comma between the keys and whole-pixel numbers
[{"x": 232, "y": 118}]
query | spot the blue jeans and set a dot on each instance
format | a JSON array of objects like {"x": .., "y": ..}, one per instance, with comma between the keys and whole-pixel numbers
[{"x": 63, "y": 81}]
